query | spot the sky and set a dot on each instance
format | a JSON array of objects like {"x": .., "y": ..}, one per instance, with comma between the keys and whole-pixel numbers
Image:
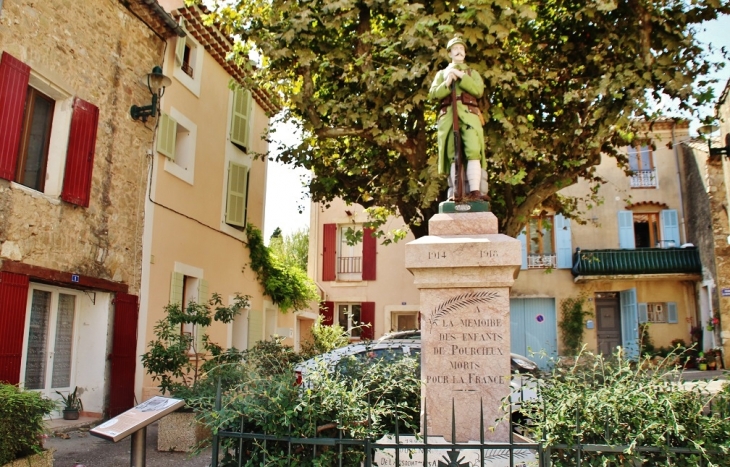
[{"x": 285, "y": 192}]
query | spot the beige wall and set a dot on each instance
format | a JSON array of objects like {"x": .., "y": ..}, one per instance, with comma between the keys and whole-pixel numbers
[
  {"x": 96, "y": 50},
  {"x": 393, "y": 289},
  {"x": 186, "y": 221},
  {"x": 722, "y": 231}
]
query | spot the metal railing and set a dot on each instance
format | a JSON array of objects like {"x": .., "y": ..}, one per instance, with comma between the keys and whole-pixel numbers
[
  {"x": 643, "y": 179},
  {"x": 187, "y": 69},
  {"x": 349, "y": 264},
  {"x": 541, "y": 261}
]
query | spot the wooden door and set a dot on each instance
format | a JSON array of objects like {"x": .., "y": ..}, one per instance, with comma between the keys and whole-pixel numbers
[{"x": 608, "y": 322}]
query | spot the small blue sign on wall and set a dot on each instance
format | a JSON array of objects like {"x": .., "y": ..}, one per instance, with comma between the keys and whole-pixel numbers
[
  {"x": 540, "y": 318},
  {"x": 726, "y": 292},
  {"x": 74, "y": 277}
]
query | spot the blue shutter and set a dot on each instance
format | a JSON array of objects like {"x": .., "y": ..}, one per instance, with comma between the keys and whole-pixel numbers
[
  {"x": 563, "y": 243},
  {"x": 629, "y": 324},
  {"x": 523, "y": 240},
  {"x": 626, "y": 230},
  {"x": 670, "y": 227},
  {"x": 643, "y": 313},
  {"x": 672, "y": 317}
]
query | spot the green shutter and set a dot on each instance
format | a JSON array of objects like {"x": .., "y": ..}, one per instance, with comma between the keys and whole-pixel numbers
[
  {"x": 200, "y": 330},
  {"x": 241, "y": 119},
  {"x": 180, "y": 45},
  {"x": 176, "y": 287},
  {"x": 166, "y": 136},
  {"x": 236, "y": 198},
  {"x": 255, "y": 327}
]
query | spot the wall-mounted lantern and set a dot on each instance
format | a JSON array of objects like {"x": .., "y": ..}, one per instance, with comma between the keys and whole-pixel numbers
[
  {"x": 156, "y": 82},
  {"x": 706, "y": 130}
]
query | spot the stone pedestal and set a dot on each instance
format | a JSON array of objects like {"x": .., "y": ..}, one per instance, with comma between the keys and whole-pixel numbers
[{"x": 464, "y": 270}]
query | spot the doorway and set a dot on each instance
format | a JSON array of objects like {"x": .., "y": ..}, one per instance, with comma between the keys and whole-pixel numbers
[{"x": 608, "y": 322}]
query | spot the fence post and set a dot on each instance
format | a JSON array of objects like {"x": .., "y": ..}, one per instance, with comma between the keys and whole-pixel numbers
[{"x": 214, "y": 453}]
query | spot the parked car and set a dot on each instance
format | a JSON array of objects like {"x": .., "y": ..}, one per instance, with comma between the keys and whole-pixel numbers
[{"x": 408, "y": 343}]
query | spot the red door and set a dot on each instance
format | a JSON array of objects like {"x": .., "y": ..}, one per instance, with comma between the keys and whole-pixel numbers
[
  {"x": 13, "y": 301},
  {"x": 124, "y": 354}
]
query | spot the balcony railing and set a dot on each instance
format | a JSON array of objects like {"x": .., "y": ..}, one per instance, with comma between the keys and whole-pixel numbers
[
  {"x": 541, "y": 261},
  {"x": 638, "y": 261},
  {"x": 349, "y": 264},
  {"x": 643, "y": 179},
  {"x": 187, "y": 69}
]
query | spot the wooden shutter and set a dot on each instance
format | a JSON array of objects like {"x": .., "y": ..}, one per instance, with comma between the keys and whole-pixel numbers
[
  {"x": 176, "y": 288},
  {"x": 180, "y": 44},
  {"x": 80, "y": 155},
  {"x": 643, "y": 313},
  {"x": 329, "y": 252},
  {"x": 123, "y": 359},
  {"x": 200, "y": 330},
  {"x": 14, "y": 77},
  {"x": 626, "y": 230},
  {"x": 241, "y": 119},
  {"x": 13, "y": 303},
  {"x": 670, "y": 227},
  {"x": 367, "y": 319},
  {"x": 237, "y": 194},
  {"x": 629, "y": 323},
  {"x": 369, "y": 255},
  {"x": 327, "y": 310},
  {"x": 522, "y": 237},
  {"x": 167, "y": 136},
  {"x": 563, "y": 242},
  {"x": 672, "y": 317}
]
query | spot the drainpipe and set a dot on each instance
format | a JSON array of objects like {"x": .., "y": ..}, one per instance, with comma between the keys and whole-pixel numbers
[{"x": 679, "y": 184}]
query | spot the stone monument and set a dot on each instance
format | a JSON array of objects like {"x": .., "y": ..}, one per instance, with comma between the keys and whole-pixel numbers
[{"x": 464, "y": 270}]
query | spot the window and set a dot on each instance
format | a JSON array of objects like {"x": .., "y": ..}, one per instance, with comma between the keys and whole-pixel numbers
[
  {"x": 405, "y": 321},
  {"x": 349, "y": 253},
  {"x": 541, "y": 252},
  {"x": 188, "y": 61},
  {"x": 658, "y": 312},
  {"x": 648, "y": 230},
  {"x": 50, "y": 327},
  {"x": 47, "y": 137},
  {"x": 176, "y": 140},
  {"x": 188, "y": 286},
  {"x": 642, "y": 167},
  {"x": 348, "y": 316}
]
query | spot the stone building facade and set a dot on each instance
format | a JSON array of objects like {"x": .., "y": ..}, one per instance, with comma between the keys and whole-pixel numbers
[{"x": 72, "y": 189}]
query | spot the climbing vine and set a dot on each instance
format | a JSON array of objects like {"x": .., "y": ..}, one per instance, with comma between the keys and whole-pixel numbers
[
  {"x": 572, "y": 323},
  {"x": 287, "y": 285}
]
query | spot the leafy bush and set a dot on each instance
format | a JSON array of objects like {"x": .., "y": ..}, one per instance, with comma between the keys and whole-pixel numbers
[
  {"x": 325, "y": 338},
  {"x": 617, "y": 402},
  {"x": 572, "y": 323},
  {"x": 21, "y": 422},
  {"x": 366, "y": 400}
]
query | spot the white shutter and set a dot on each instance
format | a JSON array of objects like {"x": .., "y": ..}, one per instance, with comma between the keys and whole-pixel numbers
[
  {"x": 167, "y": 136},
  {"x": 241, "y": 119},
  {"x": 237, "y": 194},
  {"x": 180, "y": 45},
  {"x": 523, "y": 241},
  {"x": 670, "y": 228}
]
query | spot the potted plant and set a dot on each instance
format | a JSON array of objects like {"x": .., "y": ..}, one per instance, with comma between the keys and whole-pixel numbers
[
  {"x": 72, "y": 405},
  {"x": 702, "y": 361}
]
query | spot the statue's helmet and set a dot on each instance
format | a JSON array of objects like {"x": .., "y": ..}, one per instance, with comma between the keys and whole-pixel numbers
[{"x": 454, "y": 41}]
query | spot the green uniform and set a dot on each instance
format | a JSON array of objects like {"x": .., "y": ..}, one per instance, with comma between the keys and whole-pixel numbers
[{"x": 470, "y": 124}]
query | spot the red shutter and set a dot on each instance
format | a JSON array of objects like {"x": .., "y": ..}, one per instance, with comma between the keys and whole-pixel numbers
[
  {"x": 80, "y": 155},
  {"x": 329, "y": 252},
  {"x": 369, "y": 245},
  {"x": 367, "y": 317},
  {"x": 327, "y": 310},
  {"x": 14, "y": 77},
  {"x": 124, "y": 354},
  {"x": 13, "y": 301}
]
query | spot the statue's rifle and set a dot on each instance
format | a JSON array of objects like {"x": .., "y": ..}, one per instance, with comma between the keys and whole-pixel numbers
[{"x": 459, "y": 188}]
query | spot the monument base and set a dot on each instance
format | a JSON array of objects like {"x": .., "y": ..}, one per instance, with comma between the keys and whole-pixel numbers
[{"x": 449, "y": 207}]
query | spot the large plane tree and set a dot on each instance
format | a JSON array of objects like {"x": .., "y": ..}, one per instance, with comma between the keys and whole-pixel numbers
[{"x": 566, "y": 80}]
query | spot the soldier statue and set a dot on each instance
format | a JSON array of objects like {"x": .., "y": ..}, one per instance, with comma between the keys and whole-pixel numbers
[{"x": 469, "y": 87}]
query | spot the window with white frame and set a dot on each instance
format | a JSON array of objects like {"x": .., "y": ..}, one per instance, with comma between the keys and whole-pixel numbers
[
  {"x": 657, "y": 312},
  {"x": 51, "y": 333},
  {"x": 648, "y": 229},
  {"x": 189, "y": 287},
  {"x": 349, "y": 253},
  {"x": 348, "y": 316},
  {"x": 404, "y": 321},
  {"x": 47, "y": 134},
  {"x": 188, "y": 65},
  {"x": 541, "y": 253},
  {"x": 176, "y": 140},
  {"x": 641, "y": 163}
]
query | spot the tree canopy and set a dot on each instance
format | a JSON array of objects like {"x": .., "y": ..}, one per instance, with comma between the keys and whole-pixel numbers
[{"x": 566, "y": 80}]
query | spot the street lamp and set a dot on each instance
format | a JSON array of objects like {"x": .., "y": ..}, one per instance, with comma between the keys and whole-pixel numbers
[
  {"x": 706, "y": 130},
  {"x": 156, "y": 82}
]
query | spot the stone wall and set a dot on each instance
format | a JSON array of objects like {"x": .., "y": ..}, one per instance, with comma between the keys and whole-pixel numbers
[
  {"x": 96, "y": 50},
  {"x": 721, "y": 226}
]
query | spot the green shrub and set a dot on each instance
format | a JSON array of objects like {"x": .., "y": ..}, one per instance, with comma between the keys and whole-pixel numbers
[
  {"x": 21, "y": 422},
  {"x": 572, "y": 323},
  {"x": 616, "y": 402}
]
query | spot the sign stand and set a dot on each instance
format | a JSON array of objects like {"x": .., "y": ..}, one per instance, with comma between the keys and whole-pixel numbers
[{"x": 134, "y": 422}]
